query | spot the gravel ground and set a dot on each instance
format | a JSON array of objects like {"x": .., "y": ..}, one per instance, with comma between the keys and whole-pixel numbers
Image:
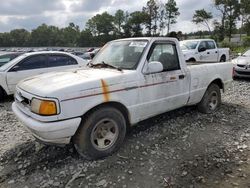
[{"x": 182, "y": 148}]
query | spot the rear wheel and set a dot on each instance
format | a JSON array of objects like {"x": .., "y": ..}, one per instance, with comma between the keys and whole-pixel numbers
[
  {"x": 101, "y": 134},
  {"x": 211, "y": 100}
]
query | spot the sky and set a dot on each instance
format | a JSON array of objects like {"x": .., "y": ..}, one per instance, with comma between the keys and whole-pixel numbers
[{"x": 29, "y": 14}]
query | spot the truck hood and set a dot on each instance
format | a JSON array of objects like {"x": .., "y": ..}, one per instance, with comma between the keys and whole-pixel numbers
[{"x": 55, "y": 84}]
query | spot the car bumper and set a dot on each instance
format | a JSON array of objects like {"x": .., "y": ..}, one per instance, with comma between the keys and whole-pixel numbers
[
  {"x": 244, "y": 73},
  {"x": 59, "y": 132}
]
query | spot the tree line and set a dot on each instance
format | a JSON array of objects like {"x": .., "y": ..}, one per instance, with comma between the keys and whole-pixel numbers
[{"x": 154, "y": 19}]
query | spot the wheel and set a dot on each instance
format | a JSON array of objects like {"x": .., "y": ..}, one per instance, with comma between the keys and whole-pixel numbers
[
  {"x": 211, "y": 100},
  {"x": 223, "y": 59},
  {"x": 101, "y": 133}
]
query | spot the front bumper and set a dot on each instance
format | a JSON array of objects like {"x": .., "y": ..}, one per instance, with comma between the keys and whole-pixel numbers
[
  {"x": 242, "y": 72},
  {"x": 58, "y": 132}
]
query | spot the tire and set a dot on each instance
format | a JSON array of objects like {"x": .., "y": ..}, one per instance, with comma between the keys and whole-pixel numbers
[
  {"x": 223, "y": 59},
  {"x": 100, "y": 134},
  {"x": 211, "y": 100}
]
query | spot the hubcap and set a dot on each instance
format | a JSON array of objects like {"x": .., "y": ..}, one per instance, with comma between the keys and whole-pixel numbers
[
  {"x": 213, "y": 101},
  {"x": 104, "y": 134}
]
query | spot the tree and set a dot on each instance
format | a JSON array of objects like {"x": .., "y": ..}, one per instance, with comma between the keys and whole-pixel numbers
[
  {"x": 202, "y": 17},
  {"x": 127, "y": 25},
  {"x": 230, "y": 10},
  {"x": 135, "y": 22},
  {"x": 101, "y": 24},
  {"x": 151, "y": 17},
  {"x": 19, "y": 37},
  {"x": 172, "y": 12},
  {"x": 245, "y": 15},
  {"x": 46, "y": 36},
  {"x": 71, "y": 34},
  {"x": 86, "y": 39},
  {"x": 119, "y": 19}
]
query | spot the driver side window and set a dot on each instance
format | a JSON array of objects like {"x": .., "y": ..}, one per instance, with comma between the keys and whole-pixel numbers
[
  {"x": 166, "y": 54},
  {"x": 202, "y": 45}
]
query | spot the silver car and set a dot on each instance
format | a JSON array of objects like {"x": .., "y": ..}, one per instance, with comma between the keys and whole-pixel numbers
[{"x": 242, "y": 65}]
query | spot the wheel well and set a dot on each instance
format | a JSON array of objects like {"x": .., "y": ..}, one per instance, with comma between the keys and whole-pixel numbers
[
  {"x": 219, "y": 83},
  {"x": 116, "y": 105},
  {"x": 223, "y": 57}
]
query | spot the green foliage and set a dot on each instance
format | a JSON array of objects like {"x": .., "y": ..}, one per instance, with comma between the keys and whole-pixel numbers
[
  {"x": 171, "y": 13},
  {"x": 119, "y": 19},
  {"x": 230, "y": 12},
  {"x": 202, "y": 17},
  {"x": 246, "y": 41},
  {"x": 151, "y": 17},
  {"x": 101, "y": 24}
]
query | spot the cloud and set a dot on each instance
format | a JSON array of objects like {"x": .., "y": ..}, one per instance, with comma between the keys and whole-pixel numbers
[
  {"x": 29, "y": 7},
  {"x": 29, "y": 14}
]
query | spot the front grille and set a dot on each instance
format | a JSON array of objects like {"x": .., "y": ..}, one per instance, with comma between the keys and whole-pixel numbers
[
  {"x": 242, "y": 66},
  {"x": 243, "y": 72}
]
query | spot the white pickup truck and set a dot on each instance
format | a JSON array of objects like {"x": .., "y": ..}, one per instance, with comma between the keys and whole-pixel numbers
[
  {"x": 203, "y": 50},
  {"x": 128, "y": 81}
]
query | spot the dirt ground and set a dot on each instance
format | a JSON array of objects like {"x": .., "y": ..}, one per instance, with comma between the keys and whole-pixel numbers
[{"x": 182, "y": 148}]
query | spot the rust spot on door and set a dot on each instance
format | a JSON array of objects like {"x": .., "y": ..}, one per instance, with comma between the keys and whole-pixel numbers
[
  {"x": 172, "y": 78},
  {"x": 105, "y": 91}
]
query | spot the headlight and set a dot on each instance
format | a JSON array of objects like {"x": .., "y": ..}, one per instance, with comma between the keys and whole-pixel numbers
[{"x": 43, "y": 107}]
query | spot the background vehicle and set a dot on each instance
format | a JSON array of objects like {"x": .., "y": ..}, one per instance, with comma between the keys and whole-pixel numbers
[
  {"x": 242, "y": 65},
  {"x": 129, "y": 80},
  {"x": 6, "y": 57},
  {"x": 88, "y": 56},
  {"x": 34, "y": 63},
  {"x": 203, "y": 50}
]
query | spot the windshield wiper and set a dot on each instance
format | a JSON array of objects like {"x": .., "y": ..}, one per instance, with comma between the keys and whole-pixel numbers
[{"x": 103, "y": 64}]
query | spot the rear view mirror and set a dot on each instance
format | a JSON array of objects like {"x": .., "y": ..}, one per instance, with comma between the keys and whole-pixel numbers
[{"x": 154, "y": 67}]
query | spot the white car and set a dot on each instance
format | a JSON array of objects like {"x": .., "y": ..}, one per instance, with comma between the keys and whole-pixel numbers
[
  {"x": 242, "y": 65},
  {"x": 34, "y": 63},
  {"x": 203, "y": 50},
  {"x": 128, "y": 81}
]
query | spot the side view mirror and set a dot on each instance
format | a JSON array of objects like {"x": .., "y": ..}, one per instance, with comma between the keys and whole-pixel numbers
[
  {"x": 202, "y": 49},
  {"x": 154, "y": 67},
  {"x": 15, "y": 68},
  {"x": 239, "y": 54}
]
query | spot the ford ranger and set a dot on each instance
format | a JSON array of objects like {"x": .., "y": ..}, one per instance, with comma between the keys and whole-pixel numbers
[{"x": 129, "y": 80}]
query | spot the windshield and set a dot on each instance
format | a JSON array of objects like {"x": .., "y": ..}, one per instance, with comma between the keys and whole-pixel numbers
[
  {"x": 247, "y": 53},
  {"x": 121, "y": 54},
  {"x": 188, "y": 45},
  {"x": 12, "y": 62}
]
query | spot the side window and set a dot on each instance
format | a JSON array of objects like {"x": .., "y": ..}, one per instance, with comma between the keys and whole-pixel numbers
[
  {"x": 167, "y": 55},
  {"x": 202, "y": 45},
  {"x": 34, "y": 62},
  {"x": 61, "y": 60},
  {"x": 210, "y": 45}
]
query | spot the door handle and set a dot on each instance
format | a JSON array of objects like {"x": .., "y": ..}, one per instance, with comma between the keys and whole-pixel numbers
[
  {"x": 182, "y": 76},
  {"x": 216, "y": 52},
  {"x": 208, "y": 52}
]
